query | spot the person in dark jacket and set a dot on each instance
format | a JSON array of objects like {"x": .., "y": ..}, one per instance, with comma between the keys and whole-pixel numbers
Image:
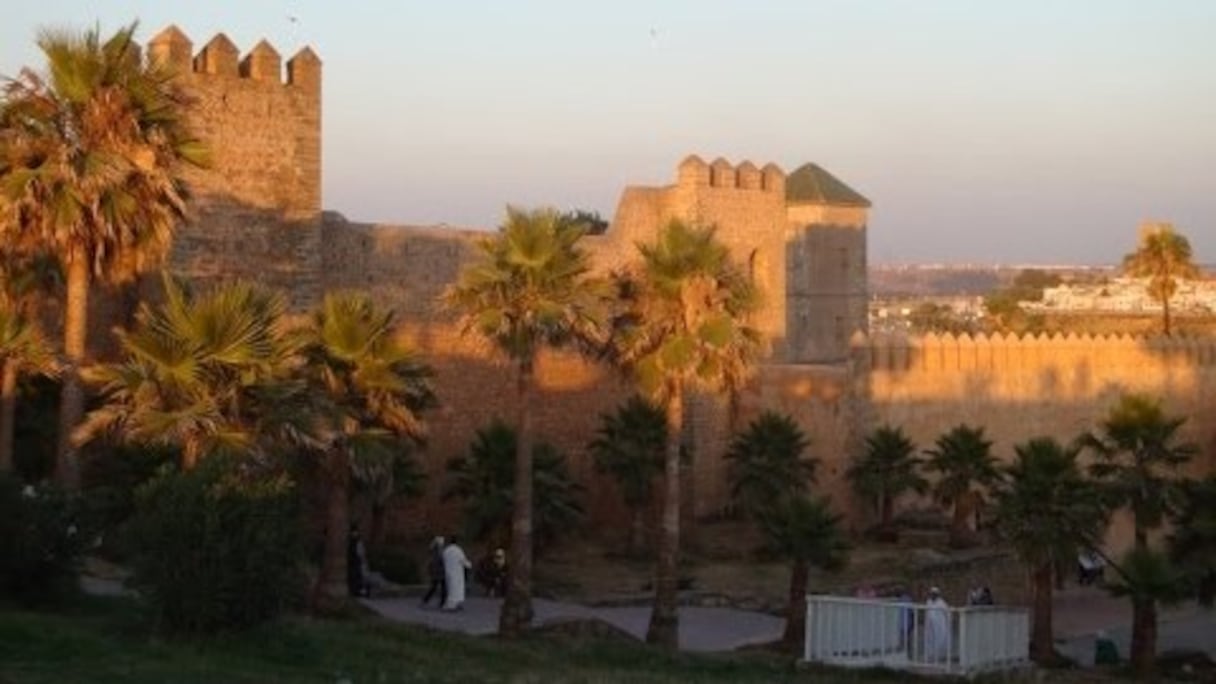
[
  {"x": 434, "y": 571},
  {"x": 356, "y": 564}
]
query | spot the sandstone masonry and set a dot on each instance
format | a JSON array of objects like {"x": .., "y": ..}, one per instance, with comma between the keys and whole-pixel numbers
[{"x": 801, "y": 237}]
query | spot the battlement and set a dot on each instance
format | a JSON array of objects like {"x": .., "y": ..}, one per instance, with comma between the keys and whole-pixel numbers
[
  {"x": 948, "y": 351},
  {"x": 220, "y": 57},
  {"x": 694, "y": 172}
]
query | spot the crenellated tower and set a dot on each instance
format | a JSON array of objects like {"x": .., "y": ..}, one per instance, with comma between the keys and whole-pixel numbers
[
  {"x": 826, "y": 296},
  {"x": 257, "y": 209}
]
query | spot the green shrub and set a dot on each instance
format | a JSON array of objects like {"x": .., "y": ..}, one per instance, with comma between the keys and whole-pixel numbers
[
  {"x": 217, "y": 548},
  {"x": 111, "y": 475},
  {"x": 40, "y": 544}
]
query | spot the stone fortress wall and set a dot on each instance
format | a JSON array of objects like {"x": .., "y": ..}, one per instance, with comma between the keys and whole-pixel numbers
[
  {"x": 802, "y": 237},
  {"x": 258, "y": 207}
]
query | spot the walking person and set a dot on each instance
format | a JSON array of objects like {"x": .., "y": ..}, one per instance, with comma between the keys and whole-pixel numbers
[
  {"x": 455, "y": 564},
  {"x": 434, "y": 572},
  {"x": 356, "y": 564}
]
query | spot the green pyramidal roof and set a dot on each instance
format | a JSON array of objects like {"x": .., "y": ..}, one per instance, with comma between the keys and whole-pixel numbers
[{"x": 811, "y": 184}]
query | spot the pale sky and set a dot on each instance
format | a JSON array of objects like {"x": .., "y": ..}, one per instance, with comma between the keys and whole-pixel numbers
[{"x": 1034, "y": 131}]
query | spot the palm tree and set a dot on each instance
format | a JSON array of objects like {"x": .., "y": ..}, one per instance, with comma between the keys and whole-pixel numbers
[
  {"x": 530, "y": 290},
  {"x": 804, "y": 530},
  {"x": 684, "y": 323},
  {"x": 1135, "y": 443},
  {"x": 485, "y": 480},
  {"x": 1047, "y": 510},
  {"x": 203, "y": 374},
  {"x": 369, "y": 392},
  {"x": 963, "y": 459},
  {"x": 766, "y": 462},
  {"x": 1193, "y": 542},
  {"x": 1163, "y": 257},
  {"x": 90, "y": 162},
  {"x": 886, "y": 470},
  {"x": 1146, "y": 577},
  {"x": 629, "y": 446}
]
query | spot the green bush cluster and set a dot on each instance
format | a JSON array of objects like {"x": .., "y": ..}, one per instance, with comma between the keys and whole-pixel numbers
[
  {"x": 218, "y": 547},
  {"x": 40, "y": 542}
]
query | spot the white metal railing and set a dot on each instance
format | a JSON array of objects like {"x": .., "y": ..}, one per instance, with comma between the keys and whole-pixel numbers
[{"x": 914, "y": 636}]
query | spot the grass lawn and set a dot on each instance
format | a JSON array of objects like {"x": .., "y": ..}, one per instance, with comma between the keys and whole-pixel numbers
[{"x": 105, "y": 640}]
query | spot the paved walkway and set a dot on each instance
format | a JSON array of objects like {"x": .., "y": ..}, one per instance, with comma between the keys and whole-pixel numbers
[
  {"x": 1080, "y": 613},
  {"x": 701, "y": 629}
]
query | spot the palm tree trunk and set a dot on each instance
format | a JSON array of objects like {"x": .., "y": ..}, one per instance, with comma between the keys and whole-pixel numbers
[
  {"x": 664, "y": 620},
  {"x": 1042, "y": 642},
  {"x": 517, "y": 607},
  {"x": 958, "y": 528},
  {"x": 331, "y": 588},
  {"x": 887, "y": 508},
  {"x": 1144, "y": 636},
  {"x": 637, "y": 530},
  {"x": 8, "y": 413},
  {"x": 1165, "y": 315},
  {"x": 795, "y": 621},
  {"x": 1141, "y": 536},
  {"x": 75, "y": 337}
]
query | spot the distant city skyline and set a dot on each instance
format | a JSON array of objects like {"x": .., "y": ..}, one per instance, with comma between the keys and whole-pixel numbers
[{"x": 1033, "y": 132}]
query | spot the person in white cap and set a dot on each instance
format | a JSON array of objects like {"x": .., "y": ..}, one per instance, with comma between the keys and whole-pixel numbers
[{"x": 937, "y": 627}]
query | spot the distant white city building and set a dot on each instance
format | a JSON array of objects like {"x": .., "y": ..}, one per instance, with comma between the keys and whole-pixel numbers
[{"x": 1126, "y": 295}]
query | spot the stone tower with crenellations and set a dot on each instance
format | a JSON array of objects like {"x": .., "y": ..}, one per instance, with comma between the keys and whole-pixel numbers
[
  {"x": 257, "y": 209},
  {"x": 257, "y": 214},
  {"x": 801, "y": 236}
]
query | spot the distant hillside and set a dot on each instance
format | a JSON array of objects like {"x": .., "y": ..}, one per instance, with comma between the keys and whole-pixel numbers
[{"x": 932, "y": 280}]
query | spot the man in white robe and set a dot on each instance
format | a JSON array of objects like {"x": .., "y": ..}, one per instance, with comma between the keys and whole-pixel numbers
[
  {"x": 937, "y": 628},
  {"x": 455, "y": 562}
]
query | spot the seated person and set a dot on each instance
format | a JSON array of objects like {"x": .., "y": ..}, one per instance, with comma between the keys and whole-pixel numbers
[
  {"x": 1090, "y": 567},
  {"x": 491, "y": 573}
]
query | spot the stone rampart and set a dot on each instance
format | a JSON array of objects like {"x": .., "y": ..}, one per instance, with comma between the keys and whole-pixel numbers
[{"x": 1023, "y": 387}]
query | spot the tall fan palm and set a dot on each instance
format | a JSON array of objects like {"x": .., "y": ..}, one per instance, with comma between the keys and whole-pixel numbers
[
  {"x": 530, "y": 290},
  {"x": 368, "y": 392},
  {"x": 963, "y": 460},
  {"x": 90, "y": 161},
  {"x": 1164, "y": 257},
  {"x": 204, "y": 374},
  {"x": 629, "y": 446},
  {"x": 805, "y": 531},
  {"x": 1047, "y": 510},
  {"x": 766, "y": 462},
  {"x": 887, "y": 469},
  {"x": 685, "y": 323},
  {"x": 1137, "y": 449},
  {"x": 1193, "y": 543},
  {"x": 1138, "y": 456}
]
